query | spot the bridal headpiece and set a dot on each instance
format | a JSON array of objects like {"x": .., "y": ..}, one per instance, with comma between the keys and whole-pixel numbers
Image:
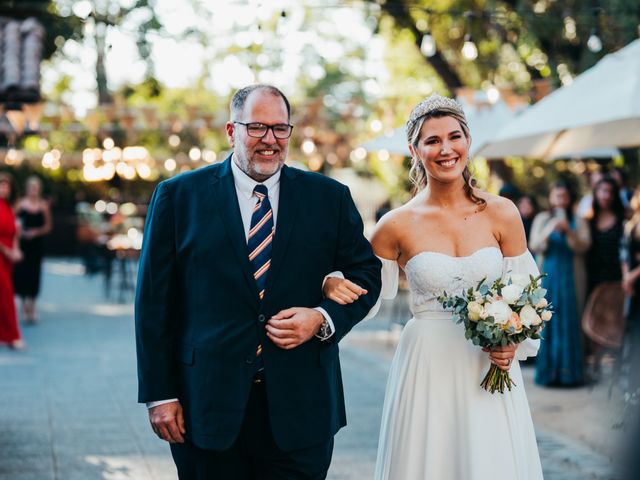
[{"x": 432, "y": 103}]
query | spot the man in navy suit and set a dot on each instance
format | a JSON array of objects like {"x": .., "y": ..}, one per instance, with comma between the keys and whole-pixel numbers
[{"x": 237, "y": 348}]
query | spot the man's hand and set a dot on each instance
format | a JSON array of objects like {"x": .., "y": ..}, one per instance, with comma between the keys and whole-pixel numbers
[
  {"x": 294, "y": 326},
  {"x": 168, "y": 422}
]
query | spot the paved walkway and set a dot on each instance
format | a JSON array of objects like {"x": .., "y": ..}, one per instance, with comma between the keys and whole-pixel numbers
[{"x": 68, "y": 411}]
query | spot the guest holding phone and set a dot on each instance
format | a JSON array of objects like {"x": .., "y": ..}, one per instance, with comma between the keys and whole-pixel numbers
[{"x": 560, "y": 239}]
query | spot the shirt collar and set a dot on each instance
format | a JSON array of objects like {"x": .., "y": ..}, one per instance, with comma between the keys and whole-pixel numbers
[{"x": 245, "y": 184}]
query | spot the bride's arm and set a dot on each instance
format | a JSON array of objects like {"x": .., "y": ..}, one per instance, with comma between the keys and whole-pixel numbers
[
  {"x": 510, "y": 230},
  {"x": 517, "y": 260},
  {"x": 384, "y": 244}
]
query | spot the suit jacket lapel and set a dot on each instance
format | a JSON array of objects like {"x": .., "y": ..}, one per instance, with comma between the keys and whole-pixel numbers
[
  {"x": 288, "y": 204},
  {"x": 227, "y": 200}
]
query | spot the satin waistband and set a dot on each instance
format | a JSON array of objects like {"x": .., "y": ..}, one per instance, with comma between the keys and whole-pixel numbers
[{"x": 432, "y": 314}]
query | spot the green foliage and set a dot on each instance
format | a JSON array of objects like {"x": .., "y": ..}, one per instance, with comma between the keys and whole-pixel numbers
[{"x": 518, "y": 40}]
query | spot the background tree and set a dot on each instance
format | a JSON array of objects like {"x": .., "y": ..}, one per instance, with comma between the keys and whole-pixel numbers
[{"x": 518, "y": 40}]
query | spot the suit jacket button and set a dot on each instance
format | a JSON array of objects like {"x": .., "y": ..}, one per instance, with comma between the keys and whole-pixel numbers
[
  {"x": 261, "y": 318},
  {"x": 249, "y": 359}
]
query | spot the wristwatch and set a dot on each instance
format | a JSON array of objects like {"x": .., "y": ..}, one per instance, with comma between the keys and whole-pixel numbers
[{"x": 325, "y": 330}]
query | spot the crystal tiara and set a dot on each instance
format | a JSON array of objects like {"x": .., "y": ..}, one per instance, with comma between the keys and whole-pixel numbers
[{"x": 434, "y": 102}]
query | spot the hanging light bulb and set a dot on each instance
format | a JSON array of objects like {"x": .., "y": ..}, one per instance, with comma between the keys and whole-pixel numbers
[
  {"x": 594, "y": 44},
  {"x": 469, "y": 49},
  {"x": 428, "y": 45}
]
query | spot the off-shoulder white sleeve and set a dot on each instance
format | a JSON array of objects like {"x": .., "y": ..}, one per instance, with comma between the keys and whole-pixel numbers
[
  {"x": 523, "y": 264},
  {"x": 390, "y": 272}
]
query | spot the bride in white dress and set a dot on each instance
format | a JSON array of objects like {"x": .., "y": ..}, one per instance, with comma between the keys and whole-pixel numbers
[{"x": 437, "y": 422}]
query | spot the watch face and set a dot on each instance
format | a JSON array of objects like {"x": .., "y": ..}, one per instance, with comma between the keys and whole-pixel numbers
[{"x": 324, "y": 329}]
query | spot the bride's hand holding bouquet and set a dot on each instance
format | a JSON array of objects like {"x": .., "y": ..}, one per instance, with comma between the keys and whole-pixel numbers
[{"x": 498, "y": 317}]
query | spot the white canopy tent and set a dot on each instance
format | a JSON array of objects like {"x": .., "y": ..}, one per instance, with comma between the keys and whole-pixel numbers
[
  {"x": 601, "y": 108},
  {"x": 484, "y": 119},
  {"x": 394, "y": 141},
  {"x": 605, "y": 152}
]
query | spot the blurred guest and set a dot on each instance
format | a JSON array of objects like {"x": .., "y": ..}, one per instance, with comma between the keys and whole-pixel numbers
[
  {"x": 528, "y": 208},
  {"x": 630, "y": 257},
  {"x": 606, "y": 228},
  {"x": 586, "y": 202},
  {"x": 620, "y": 177},
  {"x": 631, "y": 271},
  {"x": 35, "y": 219},
  {"x": 561, "y": 238},
  {"x": 9, "y": 254},
  {"x": 510, "y": 191},
  {"x": 382, "y": 210}
]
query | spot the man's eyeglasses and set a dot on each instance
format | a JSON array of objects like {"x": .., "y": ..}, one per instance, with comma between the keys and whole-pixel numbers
[{"x": 259, "y": 130}]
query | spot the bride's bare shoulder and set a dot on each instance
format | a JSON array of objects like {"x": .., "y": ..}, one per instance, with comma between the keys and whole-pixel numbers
[
  {"x": 388, "y": 232},
  {"x": 396, "y": 218},
  {"x": 500, "y": 209}
]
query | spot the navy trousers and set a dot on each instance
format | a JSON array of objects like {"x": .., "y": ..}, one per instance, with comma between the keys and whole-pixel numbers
[{"x": 254, "y": 455}]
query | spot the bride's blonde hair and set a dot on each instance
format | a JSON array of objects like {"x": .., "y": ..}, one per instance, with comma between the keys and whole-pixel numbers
[{"x": 437, "y": 106}]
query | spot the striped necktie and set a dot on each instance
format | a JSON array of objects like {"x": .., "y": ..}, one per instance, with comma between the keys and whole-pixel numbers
[{"x": 260, "y": 237}]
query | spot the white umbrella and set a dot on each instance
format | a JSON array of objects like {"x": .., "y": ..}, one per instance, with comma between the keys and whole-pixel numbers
[
  {"x": 394, "y": 141},
  {"x": 600, "y": 108},
  {"x": 484, "y": 120},
  {"x": 605, "y": 152}
]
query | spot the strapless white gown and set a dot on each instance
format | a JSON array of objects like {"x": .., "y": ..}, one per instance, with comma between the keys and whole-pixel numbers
[{"x": 437, "y": 422}]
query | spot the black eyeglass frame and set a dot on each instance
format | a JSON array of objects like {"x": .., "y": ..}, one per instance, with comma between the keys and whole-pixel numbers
[{"x": 268, "y": 127}]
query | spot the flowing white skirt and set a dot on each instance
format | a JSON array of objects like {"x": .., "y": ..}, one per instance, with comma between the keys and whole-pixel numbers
[{"x": 439, "y": 424}]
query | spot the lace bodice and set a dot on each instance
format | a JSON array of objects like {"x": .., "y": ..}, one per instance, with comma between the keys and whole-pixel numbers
[{"x": 431, "y": 273}]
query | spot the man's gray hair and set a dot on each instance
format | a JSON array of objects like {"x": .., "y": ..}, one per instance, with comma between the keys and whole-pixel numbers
[{"x": 240, "y": 98}]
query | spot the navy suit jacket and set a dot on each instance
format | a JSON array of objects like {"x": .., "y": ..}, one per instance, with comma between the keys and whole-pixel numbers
[{"x": 199, "y": 318}]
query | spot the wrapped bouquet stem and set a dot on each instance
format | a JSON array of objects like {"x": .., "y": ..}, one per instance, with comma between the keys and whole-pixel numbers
[
  {"x": 499, "y": 314},
  {"x": 496, "y": 380}
]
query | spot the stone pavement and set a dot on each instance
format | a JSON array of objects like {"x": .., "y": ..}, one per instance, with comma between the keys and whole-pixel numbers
[{"x": 68, "y": 411}]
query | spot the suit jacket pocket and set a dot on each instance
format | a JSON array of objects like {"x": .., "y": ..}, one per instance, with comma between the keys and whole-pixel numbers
[{"x": 186, "y": 354}]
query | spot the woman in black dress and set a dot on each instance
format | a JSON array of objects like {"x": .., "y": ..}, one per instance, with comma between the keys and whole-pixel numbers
[
  {"x": 34, "y": 216},
  {"x": 606, "y": 226}
]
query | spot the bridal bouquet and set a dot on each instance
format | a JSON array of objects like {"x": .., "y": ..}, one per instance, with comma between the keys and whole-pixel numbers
[{"x": 500, "y": 314}]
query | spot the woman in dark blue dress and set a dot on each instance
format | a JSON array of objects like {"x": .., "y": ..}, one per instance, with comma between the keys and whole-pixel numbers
[{"x": 560, "y": 239}]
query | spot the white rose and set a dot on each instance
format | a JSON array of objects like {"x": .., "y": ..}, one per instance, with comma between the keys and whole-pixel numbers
[
  {"x": 474, "y": 309},
  {"x": 546, "y": 315},
  {"x": 520, "y": 280},
  {"x": 500, "y": 312},
  {"x": 529, "y": 316},
  {"x": 511, "y": 293},
  {"x": 542, "y": 303}
]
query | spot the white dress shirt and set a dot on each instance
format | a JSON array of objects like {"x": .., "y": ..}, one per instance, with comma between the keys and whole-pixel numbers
[{"x": 246, "y": 201}]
